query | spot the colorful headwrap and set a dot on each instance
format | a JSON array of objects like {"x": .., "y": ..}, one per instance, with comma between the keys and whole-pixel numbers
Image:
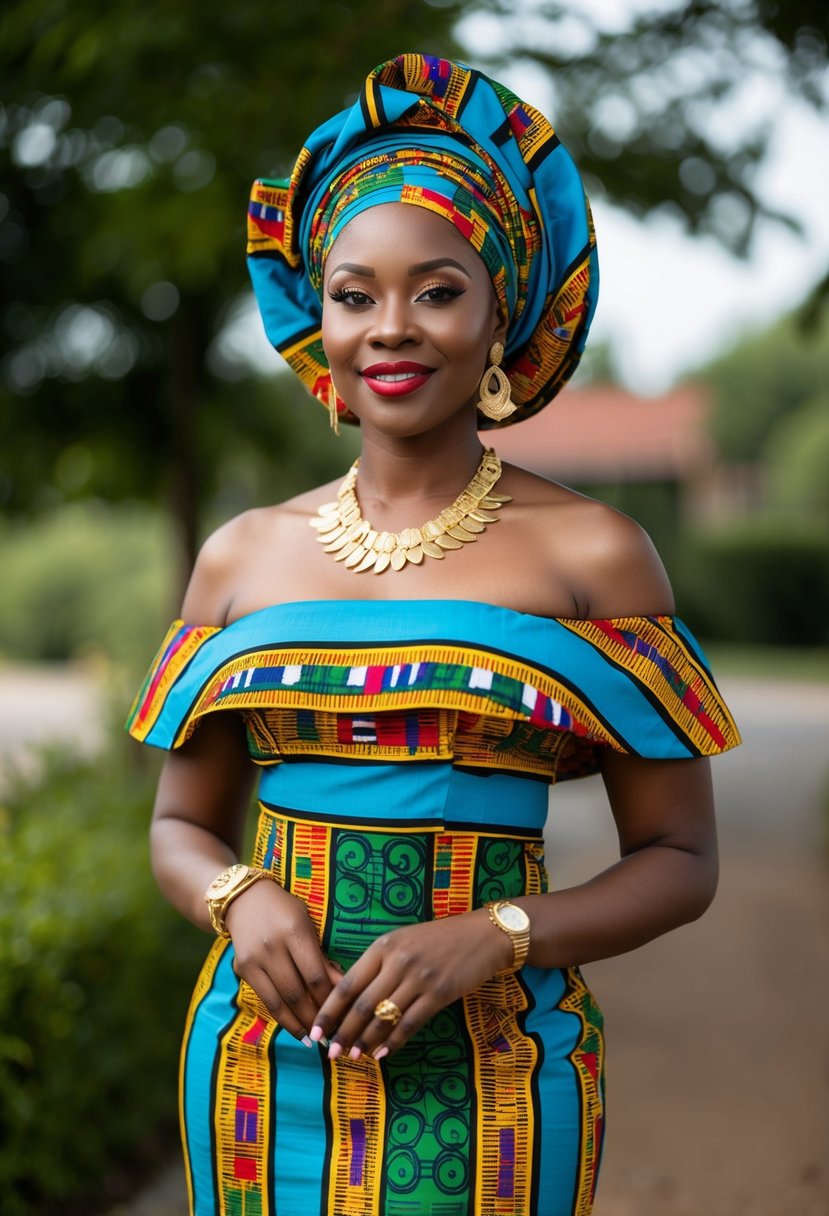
[{"x": 439, "y": 135}]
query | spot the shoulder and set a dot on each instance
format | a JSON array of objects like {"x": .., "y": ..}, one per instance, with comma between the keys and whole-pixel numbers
[
  {"x": 229, "y": 555},
  {"x": 607, "y": 560}
]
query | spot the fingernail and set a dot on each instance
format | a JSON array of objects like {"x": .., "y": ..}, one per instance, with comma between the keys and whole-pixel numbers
[
  {"x": 381, "y": 1052},
  {"x": 316, "y": 1034},
  {"x": 307, "y": 1041},
  {"x": 335, "y": 1051},
  {"x": 355, "y": 1053}
]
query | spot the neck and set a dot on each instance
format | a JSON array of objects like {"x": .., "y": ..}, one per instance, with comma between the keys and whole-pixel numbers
[{"x": 421, "y": 470}]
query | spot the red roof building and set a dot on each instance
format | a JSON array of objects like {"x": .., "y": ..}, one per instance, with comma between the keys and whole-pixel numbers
[{"x": 603, "y": 434}]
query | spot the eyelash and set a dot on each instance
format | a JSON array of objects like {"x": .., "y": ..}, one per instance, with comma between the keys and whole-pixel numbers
[{"x": 358, "y": 297}]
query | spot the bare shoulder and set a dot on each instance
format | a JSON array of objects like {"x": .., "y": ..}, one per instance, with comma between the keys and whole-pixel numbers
[
  {"x": 608, "y": 560},
  {"x": 229, "y": 555}
]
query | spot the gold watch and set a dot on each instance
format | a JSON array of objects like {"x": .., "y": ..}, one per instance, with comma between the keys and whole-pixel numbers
[
  {"x": 225, "y": 887},
  {"x": 515, "y": 922}
]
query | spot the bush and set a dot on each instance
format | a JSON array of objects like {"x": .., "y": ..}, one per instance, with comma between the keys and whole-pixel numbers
[
  {"x": 95, "y": 975},
  {"x": 757, "y": 582},
  {"x": 86, "y": 579}
]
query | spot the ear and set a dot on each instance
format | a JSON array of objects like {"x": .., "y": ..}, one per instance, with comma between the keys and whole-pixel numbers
[{"x": 499, "y": 333}]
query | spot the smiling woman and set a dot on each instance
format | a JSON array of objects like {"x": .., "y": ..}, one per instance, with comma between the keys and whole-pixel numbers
[{"x": 392, "y": 1020}]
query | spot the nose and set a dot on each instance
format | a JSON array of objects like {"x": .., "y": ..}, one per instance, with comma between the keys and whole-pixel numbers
[{"x": 392, "y": 322}]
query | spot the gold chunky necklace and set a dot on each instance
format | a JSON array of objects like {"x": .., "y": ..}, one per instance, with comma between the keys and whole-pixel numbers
[{"x": 352, "y": 540}]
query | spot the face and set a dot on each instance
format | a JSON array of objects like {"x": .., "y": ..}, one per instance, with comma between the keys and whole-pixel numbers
[{"x": 409, "y": 314}]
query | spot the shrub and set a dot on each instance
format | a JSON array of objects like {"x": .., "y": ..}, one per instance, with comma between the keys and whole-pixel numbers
[
  {"x": 95, "y": 974},
  {"x": 86, "y": 579},
  {"x": 758, "y": 582}
]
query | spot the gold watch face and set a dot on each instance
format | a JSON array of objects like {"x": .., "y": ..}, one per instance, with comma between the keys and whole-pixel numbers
[
  {"x": 226, "y": 882},
  {"x": 512, "y": 917}
]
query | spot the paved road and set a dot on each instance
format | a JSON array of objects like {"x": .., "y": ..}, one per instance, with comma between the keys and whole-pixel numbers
[{"x": 718, "y": 1069}]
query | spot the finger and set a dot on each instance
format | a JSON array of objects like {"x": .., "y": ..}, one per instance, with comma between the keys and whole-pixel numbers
[
  {"x": 363, "y": 1029},
  {"x": 412, "y": 1019},
  {"x": 348, "y": 989},
  {"x": 268, "y": 994}
]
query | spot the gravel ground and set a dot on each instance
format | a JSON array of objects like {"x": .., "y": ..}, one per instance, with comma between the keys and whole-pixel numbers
[{"x": 718, "y": 1069}]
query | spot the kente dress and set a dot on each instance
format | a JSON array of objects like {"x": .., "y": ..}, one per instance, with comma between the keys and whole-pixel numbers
[{"x": 406, "y": 751}]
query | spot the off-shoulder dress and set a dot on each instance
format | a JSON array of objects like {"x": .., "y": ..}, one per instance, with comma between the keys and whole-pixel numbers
[{"x": 406, "y": 751}]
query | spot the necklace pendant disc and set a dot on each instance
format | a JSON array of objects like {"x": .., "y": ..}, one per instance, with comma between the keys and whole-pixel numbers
[
  {"x": 367, "y": 562},
  {"x": 347, "y": 549},
  {"x": 431, "y": 549},
  {"x": 415, "y": 555},
  {"x": 461, "y": 533},
  {"x": 383, "y": 560},
  {"x": 398, "y": 559},
  {"x": 334, "y": 545},
  {"x": 355, "y": 558},
  {"x": 448, "y": 542}
]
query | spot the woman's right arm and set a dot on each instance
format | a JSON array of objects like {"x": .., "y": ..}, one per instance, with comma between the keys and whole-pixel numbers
[{"x": 198, "y": 831}]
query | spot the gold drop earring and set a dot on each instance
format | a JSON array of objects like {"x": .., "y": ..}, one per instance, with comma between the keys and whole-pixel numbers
[
  {"x": 333, "y": 414},
  {"x": 495, "y": 403}
]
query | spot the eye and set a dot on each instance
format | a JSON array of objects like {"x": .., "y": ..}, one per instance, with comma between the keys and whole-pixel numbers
[
  {"x": 440, "y": 293},
  {"x": 352, "y": 297}
]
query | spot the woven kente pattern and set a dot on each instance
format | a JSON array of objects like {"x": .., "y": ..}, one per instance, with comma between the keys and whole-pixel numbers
[
  {"x": 448, "y": 701},
  {"x": 403, "y": 1131},
  {"x": 587, "y": 1058}
]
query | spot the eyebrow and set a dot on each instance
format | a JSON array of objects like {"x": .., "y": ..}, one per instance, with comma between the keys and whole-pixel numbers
[
  {"x": 367, "y": 272},
  {"x": 435, "y": 264}
]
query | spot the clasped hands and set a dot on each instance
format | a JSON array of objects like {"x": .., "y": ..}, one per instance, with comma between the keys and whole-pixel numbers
[{"x": 420, "y": 968}]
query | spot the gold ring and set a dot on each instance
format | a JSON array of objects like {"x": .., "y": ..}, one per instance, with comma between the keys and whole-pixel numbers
[{"x": 387, "y": 1011}]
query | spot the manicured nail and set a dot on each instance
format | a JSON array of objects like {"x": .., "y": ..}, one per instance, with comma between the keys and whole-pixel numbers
[
  {"x": 335, "y": 1051},
  {"x": 307, "y": 1041},
  {"x": 381, "y": 1052},
  {"x": 317, "y": 1035},
  {"x": 355, "y": 1053}
]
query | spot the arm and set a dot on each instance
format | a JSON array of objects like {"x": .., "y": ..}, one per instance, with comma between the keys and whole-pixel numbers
[{"x": 198, "y": 829}]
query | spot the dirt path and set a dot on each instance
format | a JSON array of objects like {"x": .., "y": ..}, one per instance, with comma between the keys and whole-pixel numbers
[{"x": 718, "y": 1068}]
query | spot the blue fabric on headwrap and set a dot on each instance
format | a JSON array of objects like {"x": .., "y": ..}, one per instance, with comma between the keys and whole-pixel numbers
[{"x": 436, "y": 134}]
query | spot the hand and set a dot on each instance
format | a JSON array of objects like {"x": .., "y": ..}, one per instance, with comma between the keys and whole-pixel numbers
[
  {"x": 278, "y": 953},
  {"x": 421, "y": 969}
]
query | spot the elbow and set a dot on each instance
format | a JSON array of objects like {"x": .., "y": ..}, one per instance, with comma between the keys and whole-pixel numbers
[{"x": 702, "y": 887}]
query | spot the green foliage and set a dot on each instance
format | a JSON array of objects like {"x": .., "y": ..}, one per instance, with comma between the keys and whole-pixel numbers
[
  {"x": 763, "y": 381},
  {"x": 95, "y": 974},
  {"x": 646, "y": 104},
  {"x": 758, "y": 582},
  {"x": 87, "y": 579},
  {"x": 797, "y": 458},
  {"x": 129, "y": 137}
]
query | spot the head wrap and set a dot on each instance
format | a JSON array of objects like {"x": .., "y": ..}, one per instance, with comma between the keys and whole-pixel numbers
[{"x": 436, "y": 134}]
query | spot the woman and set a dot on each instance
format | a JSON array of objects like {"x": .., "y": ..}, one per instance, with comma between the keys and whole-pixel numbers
[{"x": 392, "y": 1020}]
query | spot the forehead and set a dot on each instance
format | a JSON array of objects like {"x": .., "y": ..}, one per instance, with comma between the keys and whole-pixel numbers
[{"x": 404, "y": 232}]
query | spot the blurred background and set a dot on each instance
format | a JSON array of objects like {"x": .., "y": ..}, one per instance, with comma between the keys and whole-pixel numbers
[{"x": 140, "y": 406}]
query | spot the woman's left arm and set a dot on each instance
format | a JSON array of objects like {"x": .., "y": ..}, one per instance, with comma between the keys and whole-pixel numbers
[{"x": 666, "y": 876}]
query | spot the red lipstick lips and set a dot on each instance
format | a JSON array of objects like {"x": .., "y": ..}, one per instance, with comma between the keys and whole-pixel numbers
[{"x": 395, "y": 379}]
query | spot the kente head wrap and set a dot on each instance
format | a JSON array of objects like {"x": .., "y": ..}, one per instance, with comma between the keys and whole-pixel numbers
[{"x": 436, "y": 134}]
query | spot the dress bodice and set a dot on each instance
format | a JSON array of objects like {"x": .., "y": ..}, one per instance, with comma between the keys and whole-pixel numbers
[{"x": 475, "y": 687}]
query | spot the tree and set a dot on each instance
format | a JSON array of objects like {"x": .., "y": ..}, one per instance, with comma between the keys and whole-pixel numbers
[
  {"x": 130, "y": 132},
  {"x": 647, "y": 108}
]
